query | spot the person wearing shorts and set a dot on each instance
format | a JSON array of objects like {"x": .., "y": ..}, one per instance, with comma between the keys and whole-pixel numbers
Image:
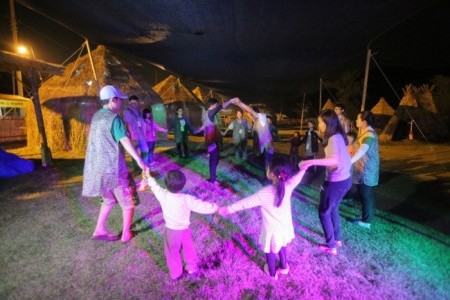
[{"x": 105, "y": 172}]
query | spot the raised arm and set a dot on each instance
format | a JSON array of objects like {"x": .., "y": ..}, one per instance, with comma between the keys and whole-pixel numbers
[
  {"x": 232, "y": 100},
  {"x": 246, "y": 108}
]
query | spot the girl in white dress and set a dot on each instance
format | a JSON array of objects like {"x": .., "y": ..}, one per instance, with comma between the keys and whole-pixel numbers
[{"x": 277, "y": 229}]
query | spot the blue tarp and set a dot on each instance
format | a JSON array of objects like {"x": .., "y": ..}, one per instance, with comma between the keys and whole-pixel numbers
[{"x": 12, "y": 165}]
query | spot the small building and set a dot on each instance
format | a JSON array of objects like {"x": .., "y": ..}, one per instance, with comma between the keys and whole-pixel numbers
[{"x": 12, "y": 118}]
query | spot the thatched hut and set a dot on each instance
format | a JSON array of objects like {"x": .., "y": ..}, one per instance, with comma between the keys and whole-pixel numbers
[
  {"x": 382, "y": 112},
  {"x": 174, "y": 94},
  {"x": 328, "y": 104},
  {"x": 416, "y": 106},
  {"x": 200, "y": 94},
  {"x": 69, "y": 101}
]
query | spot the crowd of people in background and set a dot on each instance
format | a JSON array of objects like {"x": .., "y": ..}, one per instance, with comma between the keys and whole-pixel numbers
[{"x": 349, "y": 158}]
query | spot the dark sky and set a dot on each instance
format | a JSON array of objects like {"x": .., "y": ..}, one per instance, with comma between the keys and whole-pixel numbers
[{"x": 412, "y": 49}]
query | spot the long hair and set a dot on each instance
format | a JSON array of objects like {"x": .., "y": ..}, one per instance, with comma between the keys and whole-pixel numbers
[
  {"x": 145, "y": 112},
  {"x": 367, "y": 115},
  {"x": 282, "y": 171},
  {"x": 333, "y": 125}
]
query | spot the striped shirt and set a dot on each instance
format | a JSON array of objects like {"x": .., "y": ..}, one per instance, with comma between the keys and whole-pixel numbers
[{"x": 275, "y": 220}]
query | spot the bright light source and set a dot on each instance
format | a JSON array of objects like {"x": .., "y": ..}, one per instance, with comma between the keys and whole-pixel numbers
[
  {"x": 89, "y": 82},
  {"x": 22, "y": 50}
]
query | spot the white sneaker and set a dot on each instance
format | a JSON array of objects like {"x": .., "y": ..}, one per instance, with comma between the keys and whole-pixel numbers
[
  {"x": 284, "y": 271},
  {"x": 361, "y": 224},
  {"x": 266, "y": 270}
]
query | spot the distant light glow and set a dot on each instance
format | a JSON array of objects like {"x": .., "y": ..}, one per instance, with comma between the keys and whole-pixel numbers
[
  {"x": 22, "y": 50},
  {"x": 89, "y": 82}
]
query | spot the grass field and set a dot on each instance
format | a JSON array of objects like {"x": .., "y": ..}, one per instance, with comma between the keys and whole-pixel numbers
[{"x": 46, "y": 251}]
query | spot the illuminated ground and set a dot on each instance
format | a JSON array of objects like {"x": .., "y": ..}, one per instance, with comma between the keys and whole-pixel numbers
[{"x": 46, "y": 225}]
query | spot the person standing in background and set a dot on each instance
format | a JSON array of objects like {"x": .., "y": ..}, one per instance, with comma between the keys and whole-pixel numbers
[
  {"x": 366, "y": 167},
  {"x": 240, "y": 129},
  {"x": 150, "y": 128},
  {"x": 346, "y": 124},
  {"x": 181, "y": 126},
  {"x": 262, "y": 128},
  {"x": 311, "y": 141},
  {"x": 211, "y": 131},
  {"x": 135, "y": 126},
  {"x": 293, "y": 152}
]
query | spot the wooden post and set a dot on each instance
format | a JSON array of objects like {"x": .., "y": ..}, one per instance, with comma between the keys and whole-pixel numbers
[
  {"x": 366, "y": 79},
  {"x": 320, "y": 94},
  {"x": 15, "y": 45},
  {"x": 46, "y": 154},
  {"x": 92, "y": 65},
  {"x": 303, "y": 109}
]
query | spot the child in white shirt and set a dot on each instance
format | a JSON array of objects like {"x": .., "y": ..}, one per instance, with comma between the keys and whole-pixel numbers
[{"x": 176, "y": 208}]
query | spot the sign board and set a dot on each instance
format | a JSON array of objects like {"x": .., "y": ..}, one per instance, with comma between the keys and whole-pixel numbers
[{"x": 12, "y": 103}]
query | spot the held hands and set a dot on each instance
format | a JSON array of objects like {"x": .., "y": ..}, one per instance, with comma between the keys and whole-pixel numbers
[
  {"x": 303, "y": 165},
  {"x": 146, "y": 173},
  {"x": 223, "y": 211}
]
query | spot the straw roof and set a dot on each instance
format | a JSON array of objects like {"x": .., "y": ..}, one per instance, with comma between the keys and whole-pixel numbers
[
  {"x": 14, "y": 62},
  {"x": 200, "y": 94},
  {"x": 382, "y": 108},
  {"x": 172, "y": 90},
  {"x": 109, "y": 69},
  {"x": 409, "y": 96},
  {"x": 424, "y": 116},
  {"x": 328, "y": 105},
  {"x": 69, "y": 101}
]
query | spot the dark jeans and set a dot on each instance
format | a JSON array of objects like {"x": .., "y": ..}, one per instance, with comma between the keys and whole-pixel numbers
[
  {"x": 213, "y": 162},
  {"x": 330, "y": 197},
  {"x": 367, "y": 201},
  {"x": 267, "y": 159},
  {"x": 151, "y": 149},
  {"x": 272, "y": 259},
  {"x": 240, "y": 149},
  {"x": 294, "y": 158},
  {"x": 185, "y": 148}
]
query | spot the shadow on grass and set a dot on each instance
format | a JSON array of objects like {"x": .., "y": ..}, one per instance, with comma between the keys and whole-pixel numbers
[{"x": 233, "y": 237}]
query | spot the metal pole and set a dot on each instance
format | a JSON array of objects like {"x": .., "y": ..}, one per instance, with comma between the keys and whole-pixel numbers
[
  {"x": 320, "y": 94},
  {"x": 366, "y": 78},
  {"x": 303, "y": 109},
  {"x": 15, "y": 45}
]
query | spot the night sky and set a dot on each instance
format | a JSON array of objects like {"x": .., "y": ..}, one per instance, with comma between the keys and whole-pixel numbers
[{"x": 411, "y": 51}]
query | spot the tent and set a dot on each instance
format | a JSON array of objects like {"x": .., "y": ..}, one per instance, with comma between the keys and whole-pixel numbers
[
  {"x": 174, "y": 94},
  {"x": 69, "y": 101},
  {"x": 201, "y": 94},
  {"x": 12, "y": 165},
  {"x": 382, "y": 112},
  {"x": 416, "y": 106},
  {"x": 328, "y": 105}
]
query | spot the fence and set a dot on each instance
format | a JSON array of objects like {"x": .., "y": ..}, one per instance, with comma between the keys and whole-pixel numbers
[{"x": 12, "y": 129}]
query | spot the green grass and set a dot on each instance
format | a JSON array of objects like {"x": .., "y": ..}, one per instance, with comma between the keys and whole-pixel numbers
[{"x": 46, "y": 251}]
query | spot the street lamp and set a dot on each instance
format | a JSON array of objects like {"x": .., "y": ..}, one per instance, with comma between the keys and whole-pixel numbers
[{"x": 22, "y": 50}]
